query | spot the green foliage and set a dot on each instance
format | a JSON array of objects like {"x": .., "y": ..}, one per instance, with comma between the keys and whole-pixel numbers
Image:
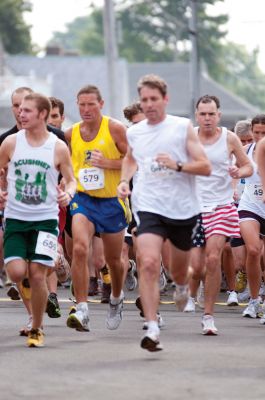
[{"x": 14, "y": 32}]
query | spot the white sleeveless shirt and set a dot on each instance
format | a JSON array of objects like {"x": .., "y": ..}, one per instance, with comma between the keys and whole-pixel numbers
[
  {"x": 216, "y": 189},
  {"x": 161, "y": 190},
  {"x": 251, "y": 199},
  {"x": 32, "y": 179}
]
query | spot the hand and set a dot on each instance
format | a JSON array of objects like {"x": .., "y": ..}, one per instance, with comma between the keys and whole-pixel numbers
[
  {"x": 63, "y": 198},
  {"x": 97, "y": 159},
  {"x": 3, "y": 198},
  {"x": 165, "y": 160},
  {"x": 123, "y": 190},
  {"x": 234, "y": 172}
]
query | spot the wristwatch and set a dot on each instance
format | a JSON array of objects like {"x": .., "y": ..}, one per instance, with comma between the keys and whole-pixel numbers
[{"x": 179, "y": 166}]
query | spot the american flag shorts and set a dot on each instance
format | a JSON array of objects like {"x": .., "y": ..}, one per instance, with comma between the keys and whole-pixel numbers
[{"x": 223, "y": 221}]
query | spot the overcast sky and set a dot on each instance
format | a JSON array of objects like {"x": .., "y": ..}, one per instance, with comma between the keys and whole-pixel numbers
[{"x": 246, "y": 26}]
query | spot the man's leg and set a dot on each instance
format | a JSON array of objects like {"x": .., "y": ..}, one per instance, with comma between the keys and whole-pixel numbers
[
  {"x": 179, "y": 269},
  {"x": 82, "y": 231},
  {"x": 214, "y": 248},
  {"x": 112, "y": 249},
  {"x": 113, "y": 243},
  {"x": 149, "y": 247},
  {"x": 39, "y": 292}
]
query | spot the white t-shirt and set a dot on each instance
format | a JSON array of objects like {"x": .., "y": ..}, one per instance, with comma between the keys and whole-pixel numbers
[{"x": 161, "y": 190}]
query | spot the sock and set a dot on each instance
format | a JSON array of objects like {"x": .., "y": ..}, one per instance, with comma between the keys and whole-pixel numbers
[
  {"x": 182, "y": 288},
  {"x": 116, "y": 300},
  {"x": 82, "y": 307},
  {"x": 153, "y": 327}
]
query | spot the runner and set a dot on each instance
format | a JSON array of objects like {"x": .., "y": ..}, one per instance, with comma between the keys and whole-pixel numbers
[
  {"x": 34, "y": 158},
  {"x": 167, "y": 153}
]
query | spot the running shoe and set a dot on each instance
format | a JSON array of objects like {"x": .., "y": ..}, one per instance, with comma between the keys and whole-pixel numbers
[
  {"x": 93, "y": 286},
  {"x": 200, "y": 295},
  {"x": 190, "y": 306},
  {"x": 253, "y": 309},
  {"x": 244, "y": 296},
  {"x": 53, "y": 308},
  {"x": 181, "y": 296},
  {"x": 1, "y": 283},
  {"x": 72, "y": 310},
  {"x": 25, "y": 289},
  {"x": 35, "y": 338},
  {"x": 232, "y": 299},
  {"x": 131, "y": 281},
  {"x": 114, "y": 315},
  {"x": 79, "y": 320},
  {"x": 105, "y": 293},
  {"x": 26, "y": 329},
  {"x": 151, "y": 342},
  {"x": 241, "y": 281},
  {"x": 13, "y": 292},
  {"x": 162, "y": 279},
  {"x": 208, "y": 327}
]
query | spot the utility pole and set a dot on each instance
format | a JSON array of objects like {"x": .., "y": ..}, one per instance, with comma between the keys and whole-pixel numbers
[
  {"x": 194, "y": 63},
  {"x": 111, "y": 53}
]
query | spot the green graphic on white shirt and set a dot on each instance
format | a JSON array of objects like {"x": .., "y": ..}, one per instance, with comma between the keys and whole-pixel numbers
[{"x": 34, "y": 192}]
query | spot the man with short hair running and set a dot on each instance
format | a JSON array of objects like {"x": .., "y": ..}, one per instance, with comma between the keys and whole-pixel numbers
[
  {"x": 34, "y": 157},
  {"x": 168, "y": 155}
]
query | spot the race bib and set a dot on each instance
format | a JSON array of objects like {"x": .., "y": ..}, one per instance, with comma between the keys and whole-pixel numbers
[
  {"x": 256, "y": 191},
  {"x": 92, "y": 178},
  {"x": 47, "y": 244},
  {"x": 153, "y": 169}
]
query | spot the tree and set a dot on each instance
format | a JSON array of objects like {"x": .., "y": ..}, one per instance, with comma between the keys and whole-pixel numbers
[
  {"x": 158, "y": 30},
  {"x": 14, "y": 32}
]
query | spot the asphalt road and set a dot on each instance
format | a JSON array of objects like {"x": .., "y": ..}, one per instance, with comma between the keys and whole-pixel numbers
[{"x": 111, "y": 365}]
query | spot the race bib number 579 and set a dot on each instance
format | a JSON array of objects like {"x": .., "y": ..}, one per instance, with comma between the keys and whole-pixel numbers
[{"x": 92, "y": 178}]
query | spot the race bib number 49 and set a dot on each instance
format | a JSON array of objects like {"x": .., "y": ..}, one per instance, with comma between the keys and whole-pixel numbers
[
  {"x": 92, "y": 178},
  {"x": 47, "y": 244}
]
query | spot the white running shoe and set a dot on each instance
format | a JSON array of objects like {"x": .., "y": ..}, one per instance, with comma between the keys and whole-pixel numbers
[
  {"x": 190, "y": 306},
  {"x": 150, "y": 342},
  {"x": 181, "y": 296},
  {"x": 131, "y": 281},
  {"x": 114, "y": 317},
  {"x": 200, "y": 295},
  {"x": 79, "y": 320},
  {"x": 232, "y": 299},
  {"x": 244, "y": 296},
  {"x": 1, "y": 283},
  {"x": 208, "y": 327},
  {"x": 253, "y": 309}
]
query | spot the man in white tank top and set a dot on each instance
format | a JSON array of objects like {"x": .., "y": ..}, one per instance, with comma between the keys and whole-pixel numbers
[
  {"x": 167, "y": 155},
  {"x": 219, "y": 216},
  {"x": 34, "y": 157}
]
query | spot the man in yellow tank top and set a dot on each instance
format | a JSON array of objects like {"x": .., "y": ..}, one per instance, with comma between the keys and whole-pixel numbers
[{"x": 98, "y": 144}]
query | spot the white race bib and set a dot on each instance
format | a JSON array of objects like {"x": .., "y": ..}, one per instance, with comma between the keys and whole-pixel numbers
[
  {"x": 47, "y": 244},
  {"x": 256, "y": 191},
  {"x": 92, "y": 178}
]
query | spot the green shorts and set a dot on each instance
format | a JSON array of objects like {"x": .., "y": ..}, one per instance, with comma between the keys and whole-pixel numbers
[{"x": 20, "y": 239}]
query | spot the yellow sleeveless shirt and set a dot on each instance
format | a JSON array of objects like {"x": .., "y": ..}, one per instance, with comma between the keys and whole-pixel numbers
[{"x": 96, "y": 182}]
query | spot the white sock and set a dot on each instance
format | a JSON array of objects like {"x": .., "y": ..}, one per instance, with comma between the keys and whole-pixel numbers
[
  {"x": 153, "y": 327},
  {"x": 116, "y": 300},
  {"x": 82, "y": 307},
  {"x": 182, "y": 288}
]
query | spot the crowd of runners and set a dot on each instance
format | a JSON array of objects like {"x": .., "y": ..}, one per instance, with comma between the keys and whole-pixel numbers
[{"x": 102, "y": 206}]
